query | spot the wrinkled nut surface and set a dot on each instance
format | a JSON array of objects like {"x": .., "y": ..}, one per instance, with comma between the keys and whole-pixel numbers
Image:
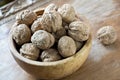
[
  {"x": 29, "y": 51},
  {"x": 66, "y": 46},
  {"x": 67, "y": 12},
  {"x": 79, "y": 31},
  {"x": 36, "y": 25},
  {"x": 78, "y": 45},
  {"x": 51, "y": 21},
  {"x": 21, "y": 34},
  {"x": 107, "y": 35},
  {"x": 42, "y": 39},
  {"x": 50, "y": 7},
  {"x": 26, "y": 17},
  {"x": 50, "y": 55}
]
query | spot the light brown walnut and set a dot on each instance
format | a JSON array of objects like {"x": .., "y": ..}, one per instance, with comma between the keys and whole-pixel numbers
[
  {"x": 21, "y": 34},
  {"x": 50, "y": 7},
  {"x": 50, "y": 55},
  {"x": 26, "y": 17},
  {"x": 67, "y": 12},
  {"x": 36, "y": 25},
  {"x": 66, "y": 46},
  {"x": 107, "y": 35},
  {"x": 42, "y": 39},
  {"x": 29, "y": 51},
  {"x": 51, "y": 21},
  {"x": 79, "y": 31}
]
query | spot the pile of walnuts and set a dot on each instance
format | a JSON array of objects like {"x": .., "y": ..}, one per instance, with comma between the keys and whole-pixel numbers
[{"x": 57, "y": 34}]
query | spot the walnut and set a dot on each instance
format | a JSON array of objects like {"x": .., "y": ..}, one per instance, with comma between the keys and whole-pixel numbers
[
  {"x": 50, "y": 55},
  {"x": 26, "y": 17},
  {"x": 50, "y": 7},
  {"x": 36, "y": 25},
  {"x": 107, "y": 35},
  {"x": 66, "y": 46},
  {"x": 42, "y": 39},
  {"x": 79, "y": 31},
  {"x": 67, "y": 12},
  {"x": 78, "y": 45},
  {"x": 51, "y": 21},
  {"x": 59, "y": 33},
  {"x": 29, "y": 51},
  {"x": 21, "y": 34}
]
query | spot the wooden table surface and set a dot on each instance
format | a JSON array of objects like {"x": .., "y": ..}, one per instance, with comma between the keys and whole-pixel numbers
[{"x": 103, "y": 62}]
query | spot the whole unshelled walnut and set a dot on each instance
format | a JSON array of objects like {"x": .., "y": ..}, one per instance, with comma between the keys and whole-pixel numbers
[
  {"x": 42, "y": 39},
  {"x": 26, "y": 17},
  {"x": 29, "y": 51},
  {"x": 51, "y": 21},
  {"x": 50, "y": 7},
  {"x": 107, "y": 35},
  {"x": 67, "y": 12},
  {"x": 50, "y": 55},
  {"x": 21, "y": 34},
  {"x": 79, "y": 31},
  {"x": 66, "y": 46},
  {"x": 36, "y": 25}
]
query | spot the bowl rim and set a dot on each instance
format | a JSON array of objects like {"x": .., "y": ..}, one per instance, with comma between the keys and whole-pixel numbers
[{"x": 37, "y": 63}]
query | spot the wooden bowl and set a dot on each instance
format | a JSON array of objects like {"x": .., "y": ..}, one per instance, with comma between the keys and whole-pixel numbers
[{"x": 51, "y": 70}]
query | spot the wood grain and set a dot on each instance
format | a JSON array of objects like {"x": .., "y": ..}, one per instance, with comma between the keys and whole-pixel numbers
[{"x": 103, "y": 62}]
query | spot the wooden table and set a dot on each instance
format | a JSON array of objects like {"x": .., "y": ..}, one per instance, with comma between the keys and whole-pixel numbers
[{"x": 103, "y": 62}]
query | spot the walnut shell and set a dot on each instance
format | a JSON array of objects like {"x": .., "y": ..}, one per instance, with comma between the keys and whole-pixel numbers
[
  {"x": 42, "y": 39},
  {"x": 50, "y": 55},
  {"x": 67, "y": 12},
  {"x": 51, "y": 21},
  {"x": 21, "y": 34},
  {"x": 26, "y": 17},
  {"x": 36, "y": 25},
  {"x": 107, "y": 35},
  {"x": 66, "y": 46},
  {"x": 79, "y": 31},
  {"x": 29, "y": 51},
  {"x": 50, "y": 7}
]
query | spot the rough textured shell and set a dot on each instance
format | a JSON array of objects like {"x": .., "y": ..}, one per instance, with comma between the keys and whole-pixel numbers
[
  {"x": 66, "y": 46},
  {"x": 42, "y": 39},
  {"x": 36, "y": 25},
  {"x": 51, "y": 21},
  {"x": 107, "y": 35},
  {"x": 50, "y": 55},
  {"x": 21, "y": 34},
  {"x": 26, "y": 17},
  {"x": 29, "y": 51},
  {"x": 79, "y": 31},
  {"x": 67, "y": 12},
  {"x": 50, "y": 7}
]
